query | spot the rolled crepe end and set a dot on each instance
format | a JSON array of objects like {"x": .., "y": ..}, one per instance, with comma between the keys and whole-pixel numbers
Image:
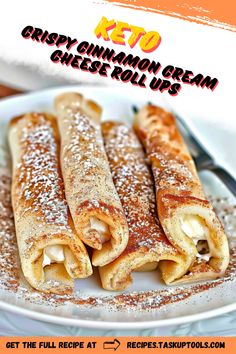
[
  {"x": 210, "y": 231},
  {"x": 171, "y": 271},
  {"x": 106, "y": 247},
  {"x": 117, "y": 275},
  {"x": 51, "y": 279},
  {"x": 110, "y": 250},
  {"x": 56, "y": 280},
  {"x": 76, "y": 101},
  {"x": 97, "y": 230},
  {"x": 57, "y": 277}
]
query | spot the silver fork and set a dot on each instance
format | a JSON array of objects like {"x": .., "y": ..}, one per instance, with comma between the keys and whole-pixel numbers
[{"x": 203, "y": 160}]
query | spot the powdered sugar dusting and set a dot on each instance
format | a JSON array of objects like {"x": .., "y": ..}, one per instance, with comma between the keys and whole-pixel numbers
[
  {"x": 133, "y": 301},
  {"x": 133, "y": 182},
  {"x": 85, "y": 157},
  {"x": 39, "y": 181},
  {"x": 9, "y": 259},
  {"x": 226, "y": 212},
  {"x": 172, "y": 166}
]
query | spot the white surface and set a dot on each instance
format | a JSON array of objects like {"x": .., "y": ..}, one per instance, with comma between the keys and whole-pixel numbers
[{"x": 209, "y": 304}]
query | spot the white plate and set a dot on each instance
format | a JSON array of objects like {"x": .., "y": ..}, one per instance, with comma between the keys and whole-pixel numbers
[{"x": 143, "y": 305}]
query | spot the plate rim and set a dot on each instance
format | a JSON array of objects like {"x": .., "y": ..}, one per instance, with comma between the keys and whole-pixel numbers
[
  {"x": 100, "y": 324},
  {"x": 76, "y": 322}
]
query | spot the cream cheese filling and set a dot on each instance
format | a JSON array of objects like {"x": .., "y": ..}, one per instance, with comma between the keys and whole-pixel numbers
[
  {"x": 53, "y": 254},
  {"x": 194, "y": 227},
  {"x": 101, "y": 227}
]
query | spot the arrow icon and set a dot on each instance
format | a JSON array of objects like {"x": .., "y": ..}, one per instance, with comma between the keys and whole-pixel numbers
[{"x": 111, "y": 345}]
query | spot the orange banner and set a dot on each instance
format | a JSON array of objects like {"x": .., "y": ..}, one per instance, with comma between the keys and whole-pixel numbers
[
  {"x": 209, "y": 12},
  {"x": 106, "y": 345}
]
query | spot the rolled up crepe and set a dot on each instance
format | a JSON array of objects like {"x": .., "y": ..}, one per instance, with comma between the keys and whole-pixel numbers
[
  {"x": 91, "y": 195},
  {"x": 51, "y": 252},
  {"x": 187, "y": 218},
  {"x": 147, "y": 243}
]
